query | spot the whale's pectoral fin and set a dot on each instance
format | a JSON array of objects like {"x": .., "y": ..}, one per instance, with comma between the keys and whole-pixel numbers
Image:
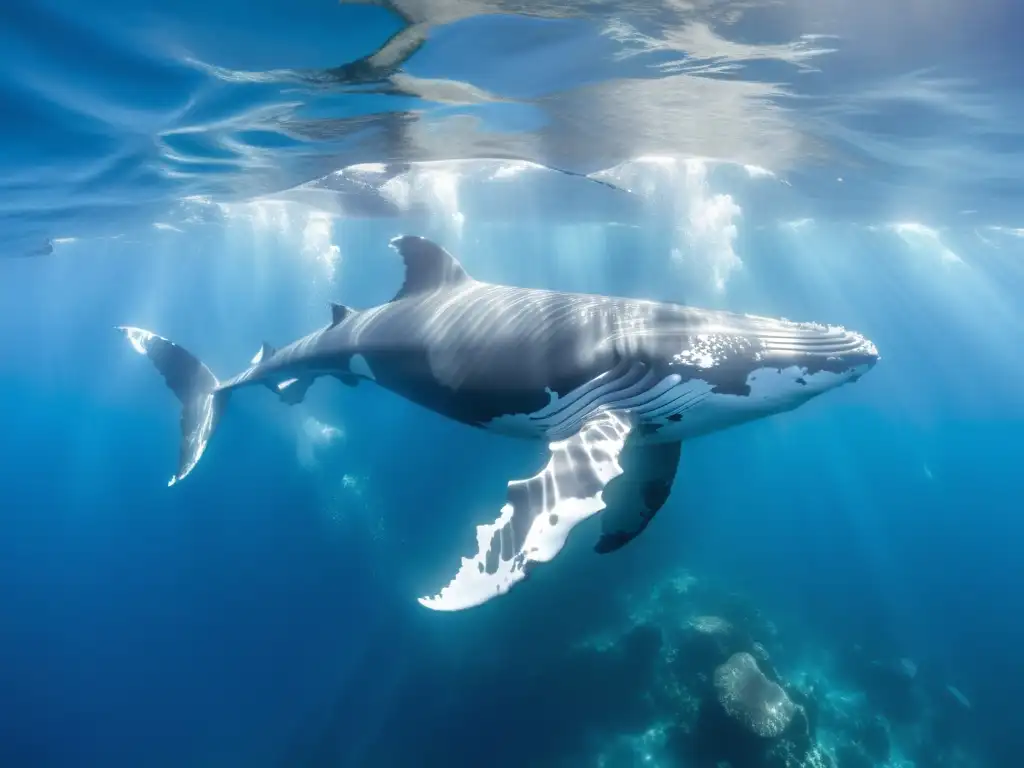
[
  {"x": 539, "y": 514},
  {"x": 633, "y": 498},
  {"x": 292, "y": 391}
]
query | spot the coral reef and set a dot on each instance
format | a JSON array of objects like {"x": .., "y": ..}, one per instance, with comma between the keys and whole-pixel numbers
[
  {"x": 751, "y": 698},
  {"x": 726, "y": 694}
]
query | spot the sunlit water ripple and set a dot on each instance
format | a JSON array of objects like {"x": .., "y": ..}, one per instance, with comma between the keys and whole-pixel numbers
[{"x": 123, "y": 115}]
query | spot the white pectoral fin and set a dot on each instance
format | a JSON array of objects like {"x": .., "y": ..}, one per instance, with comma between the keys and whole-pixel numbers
[{"x": 539, "y": 514}]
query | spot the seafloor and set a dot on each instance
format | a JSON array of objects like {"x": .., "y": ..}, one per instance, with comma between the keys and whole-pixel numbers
[
  {"x": 690, "y": 675},
  {"x": 720, "y": 685}
]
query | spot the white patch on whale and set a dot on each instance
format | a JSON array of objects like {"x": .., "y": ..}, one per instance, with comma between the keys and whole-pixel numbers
[
  {"x": 774, "y": 387},
  {"x": 523, "y": 424},
  {"x": 772, "y": 390},
  {"x": 587, "y": 460},
  {"x": 662, "y": 402}
]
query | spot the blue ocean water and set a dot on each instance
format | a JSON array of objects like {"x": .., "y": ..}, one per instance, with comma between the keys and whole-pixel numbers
[{"x": 220, "y": 172}]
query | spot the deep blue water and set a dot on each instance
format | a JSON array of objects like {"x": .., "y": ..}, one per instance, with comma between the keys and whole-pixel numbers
[{"x": 263, "y": 612}]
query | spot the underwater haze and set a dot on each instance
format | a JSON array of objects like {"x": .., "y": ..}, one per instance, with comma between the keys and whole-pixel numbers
[{"x": 837, "y": 586}]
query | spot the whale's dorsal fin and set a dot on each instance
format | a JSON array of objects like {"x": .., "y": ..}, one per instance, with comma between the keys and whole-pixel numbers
[
  {"x": 265, "y": 353},
  {"x": 428, "y": 266},
  {"x": 339, "y": 312}
]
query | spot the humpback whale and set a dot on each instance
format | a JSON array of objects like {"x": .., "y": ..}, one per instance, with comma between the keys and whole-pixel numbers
[{"x": 612, "y": 385}]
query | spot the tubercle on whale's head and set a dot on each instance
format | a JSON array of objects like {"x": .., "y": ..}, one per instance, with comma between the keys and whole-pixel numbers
[{"x": 862, "y": 358}]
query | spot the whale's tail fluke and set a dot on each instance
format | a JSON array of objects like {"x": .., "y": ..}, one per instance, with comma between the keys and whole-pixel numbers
[{"x": 202, "y": 400}]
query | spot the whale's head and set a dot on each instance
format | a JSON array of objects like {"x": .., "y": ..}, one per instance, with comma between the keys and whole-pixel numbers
[
  {"x": 735, "y": 368},
  {"x": 789, "y": 363}
]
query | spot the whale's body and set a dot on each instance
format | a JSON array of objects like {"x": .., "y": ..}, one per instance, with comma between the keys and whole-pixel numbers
[{"x": 613, "y": 385}]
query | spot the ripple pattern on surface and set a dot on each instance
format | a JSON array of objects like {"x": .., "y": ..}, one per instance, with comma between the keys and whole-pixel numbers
[{"x": 124, "y": 108}]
